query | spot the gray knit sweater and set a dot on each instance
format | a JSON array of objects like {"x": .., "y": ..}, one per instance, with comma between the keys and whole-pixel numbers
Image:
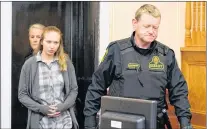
[{"x": 28, "y": 93}]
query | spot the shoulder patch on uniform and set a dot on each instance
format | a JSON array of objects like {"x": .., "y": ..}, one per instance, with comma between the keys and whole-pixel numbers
[
  {"x": 102, "y": 59},
  {"x": 156, "y": 63}
]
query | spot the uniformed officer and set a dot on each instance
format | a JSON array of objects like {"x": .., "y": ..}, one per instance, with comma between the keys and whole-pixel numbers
[{"x": 140, "y": 67}]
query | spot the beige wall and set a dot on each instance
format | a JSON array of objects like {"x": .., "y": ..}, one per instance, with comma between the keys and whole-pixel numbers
[{"x": 172, "y": 28}]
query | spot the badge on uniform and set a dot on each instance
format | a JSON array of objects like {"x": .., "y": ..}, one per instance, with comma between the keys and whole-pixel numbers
[
  {"x": 104, "y": 55},
  {"x": 133, "y": 66},
  {"x": 156, "y": 63}
]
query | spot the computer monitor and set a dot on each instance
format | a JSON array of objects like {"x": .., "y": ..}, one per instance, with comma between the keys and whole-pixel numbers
[{"x": 127, "y": 113}]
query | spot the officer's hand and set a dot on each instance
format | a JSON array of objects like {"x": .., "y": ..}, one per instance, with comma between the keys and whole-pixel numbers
[{"x": 187, "y": 127}]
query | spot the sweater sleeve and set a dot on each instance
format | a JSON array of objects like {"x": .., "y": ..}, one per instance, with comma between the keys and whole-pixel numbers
[
  {"x": 70, "y": 99},
  {"x": 24, "y": 97}
]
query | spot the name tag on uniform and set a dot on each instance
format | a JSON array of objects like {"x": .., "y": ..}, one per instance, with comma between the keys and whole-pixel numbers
[{"x": 133, "y": 66}]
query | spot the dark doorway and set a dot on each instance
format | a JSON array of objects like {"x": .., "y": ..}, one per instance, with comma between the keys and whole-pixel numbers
[{"x": 79, "y": 22}]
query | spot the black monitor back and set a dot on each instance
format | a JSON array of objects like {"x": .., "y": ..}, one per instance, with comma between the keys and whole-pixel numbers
[{"x": 146, "y": 109}]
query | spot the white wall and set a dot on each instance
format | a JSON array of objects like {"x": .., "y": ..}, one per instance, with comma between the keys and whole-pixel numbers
[
  {"x": 172, "y": 28},
  {"x": 6, "y": 24},
  {"x": 104, "y": 27}
]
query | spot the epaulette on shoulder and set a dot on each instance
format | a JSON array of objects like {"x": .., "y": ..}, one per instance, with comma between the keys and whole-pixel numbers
[
  {"x": 163, "y": 49},
  {"x": 124, "y": 43},
  {"x": 111, "y": 44}
]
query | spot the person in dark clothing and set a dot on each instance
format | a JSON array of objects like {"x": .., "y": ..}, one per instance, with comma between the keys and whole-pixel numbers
[
  {"x": 140, "y": 67},
  {"x": 35, "y": 33}
]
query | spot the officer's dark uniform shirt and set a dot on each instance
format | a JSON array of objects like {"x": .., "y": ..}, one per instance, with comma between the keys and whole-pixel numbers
[{"x": 133, "y": 72}]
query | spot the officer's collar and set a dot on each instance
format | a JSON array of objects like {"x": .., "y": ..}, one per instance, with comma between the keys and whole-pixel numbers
[{"x": 132, "y": 40}]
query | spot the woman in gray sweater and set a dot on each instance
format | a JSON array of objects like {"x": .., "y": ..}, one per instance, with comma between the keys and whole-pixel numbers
[{"x": 48, "y": 86}]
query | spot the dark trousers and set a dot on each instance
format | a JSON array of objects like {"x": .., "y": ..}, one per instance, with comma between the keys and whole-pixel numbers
[{"x": 160, "y": 123}]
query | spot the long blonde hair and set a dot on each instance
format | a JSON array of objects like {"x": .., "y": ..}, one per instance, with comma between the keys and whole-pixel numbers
[{"x": 62, "y": 56}]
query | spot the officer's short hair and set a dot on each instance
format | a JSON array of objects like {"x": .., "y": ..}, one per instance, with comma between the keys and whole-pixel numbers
[{"x": 147, "y": 9}]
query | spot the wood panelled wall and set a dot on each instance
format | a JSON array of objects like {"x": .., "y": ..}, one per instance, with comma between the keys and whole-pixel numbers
[
  {"x": 193, "y": 60},
  {"x": 193, "y": 63}
]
